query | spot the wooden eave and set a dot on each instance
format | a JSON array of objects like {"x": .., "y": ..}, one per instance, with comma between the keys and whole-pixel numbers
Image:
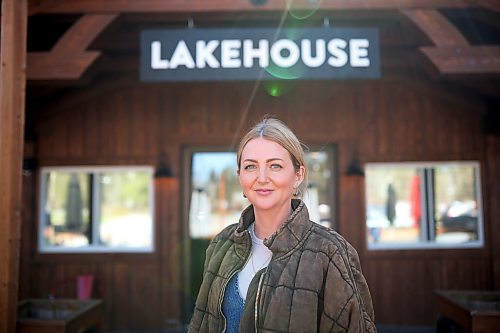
[
  {"x": 452, "y": 54},
  {"x": 194, "y": 6},
  {"x": 69, "y": 59}
]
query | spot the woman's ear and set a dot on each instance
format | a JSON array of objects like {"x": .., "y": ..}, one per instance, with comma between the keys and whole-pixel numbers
[{"x": 300, "y": 176}]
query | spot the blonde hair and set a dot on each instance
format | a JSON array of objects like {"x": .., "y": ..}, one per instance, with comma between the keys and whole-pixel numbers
[{"x": 275, "y": 130}]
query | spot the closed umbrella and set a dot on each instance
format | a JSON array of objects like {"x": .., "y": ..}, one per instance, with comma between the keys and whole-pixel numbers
[
  {"x": 391, "y": 204},
  {"x": 74, "y": 205}
]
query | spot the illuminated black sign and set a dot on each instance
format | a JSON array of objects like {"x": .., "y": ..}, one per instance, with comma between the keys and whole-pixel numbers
[{"x": 249, "y": 54}]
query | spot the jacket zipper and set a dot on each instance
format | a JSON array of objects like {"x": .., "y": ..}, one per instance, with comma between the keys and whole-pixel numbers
[
  {"x": 221, "y": 297},
  {"x": 257, "y": 298}
]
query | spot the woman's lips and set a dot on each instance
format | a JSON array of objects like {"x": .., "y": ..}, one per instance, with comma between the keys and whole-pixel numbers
[{"x": 264, "y": 191}]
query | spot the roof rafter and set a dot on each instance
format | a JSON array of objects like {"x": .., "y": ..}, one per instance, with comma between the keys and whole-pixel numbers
[
  {"x": 456, "y": 60},
  {"x": 452, "y": 53},
  {"x": 437, "y": 28},
  {"x": 69, "y": 59}
]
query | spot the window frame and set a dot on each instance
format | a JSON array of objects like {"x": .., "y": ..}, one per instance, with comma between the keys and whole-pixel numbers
[
  {"x": 431, "y": 244},
  {"x": 93, "y": 248}
]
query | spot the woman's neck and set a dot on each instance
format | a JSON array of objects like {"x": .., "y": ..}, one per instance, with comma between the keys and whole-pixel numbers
[{"x": 267, "y": 222}]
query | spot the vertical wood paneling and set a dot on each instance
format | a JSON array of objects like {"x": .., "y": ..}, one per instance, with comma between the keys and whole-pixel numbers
[
  {"x": 352, "y": 212},
  {"x": 121, "y": 298},
  {"x": 167, "y": 112},
  {"x": 127, "y": 141},
  {"x": 143, "y": 297},
  {"x": 150, "y": 124},
  {"x": 167, "y": 194},
  {"x": 373, "y": 121},
  {"x": 60, "y": 139},
  {"x": 108, "y": 131},
  {"x": 136, "y": 129},
  {"x": 104, "y": 289},
  {"x": 27, "y": 234},
  {"x": 75, "y": 134},
  {"x": 90, "y": 125}
]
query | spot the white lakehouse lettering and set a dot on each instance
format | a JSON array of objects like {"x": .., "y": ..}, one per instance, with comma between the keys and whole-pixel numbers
[
  {"x": 249, "y": 54},
  {"x": 284, "y": 53}
]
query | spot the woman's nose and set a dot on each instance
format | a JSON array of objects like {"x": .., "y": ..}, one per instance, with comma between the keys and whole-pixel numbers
[{"x": 262, "y": 176}]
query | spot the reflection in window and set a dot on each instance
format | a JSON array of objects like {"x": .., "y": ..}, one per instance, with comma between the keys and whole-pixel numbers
[
  {"x": 423, "y": 205},
  {"x": 96, "y": 209},
  {"x": 216, "y": 199},
  {"x": 67, "y": 209},
  {"x": 124, "y": 209},
  {"x": 318, "y": 195}
]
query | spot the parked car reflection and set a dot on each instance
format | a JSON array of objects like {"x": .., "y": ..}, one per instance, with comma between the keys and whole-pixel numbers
[{"x": 460, "y": 216}]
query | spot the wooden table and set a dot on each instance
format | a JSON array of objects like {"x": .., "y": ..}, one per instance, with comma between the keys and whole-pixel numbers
[
  {"x": 474, "y": 311},
  {"x": 58, "y": 315}
]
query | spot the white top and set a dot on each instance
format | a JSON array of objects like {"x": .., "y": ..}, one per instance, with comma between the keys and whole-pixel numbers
[{"x": 259, "y": 258}]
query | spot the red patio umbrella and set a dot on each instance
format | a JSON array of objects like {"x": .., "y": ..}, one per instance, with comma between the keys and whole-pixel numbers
[{"x": 415, "y": 200}]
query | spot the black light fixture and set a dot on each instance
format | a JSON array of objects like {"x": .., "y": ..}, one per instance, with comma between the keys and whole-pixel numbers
[
  {"x": 163, "y": 169},
  {"x": 354, "y": 169},
  {"x": 29, "y": 165}
]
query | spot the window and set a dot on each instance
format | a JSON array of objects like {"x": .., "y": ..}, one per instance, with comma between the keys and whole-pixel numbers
[
  {"x": 102, "y": 209},
  {"x": 423, "y": 205},
  {"x": 216, "y": 199}
]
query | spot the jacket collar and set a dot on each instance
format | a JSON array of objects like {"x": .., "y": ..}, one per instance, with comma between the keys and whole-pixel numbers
[{"x": 287, "y": 237}]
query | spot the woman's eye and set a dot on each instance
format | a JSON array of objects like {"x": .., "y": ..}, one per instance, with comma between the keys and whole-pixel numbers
[
  {"x": 276, "y": 166},
  {"x": 249, "y": 167}
]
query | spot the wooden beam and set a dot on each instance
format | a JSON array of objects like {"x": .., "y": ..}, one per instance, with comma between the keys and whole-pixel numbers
[
  {"x": 12, "y": 99},
  {"x": 83, "y": 32},
  {"x": 177, "y": 6},
  {"x": 452, "y": 54},
  {"x": 437, "y": 28},
  {"x": 38, "y": 6},
  {"x": 59, "y": 66},
  {"x": 68, "y": 59},
  {"x": 455, "y": 60}
]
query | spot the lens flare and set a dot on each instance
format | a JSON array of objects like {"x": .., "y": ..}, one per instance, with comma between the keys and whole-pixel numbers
[
  {"x": 301, "y": 12},
  {"x": 278, "y": 88}
]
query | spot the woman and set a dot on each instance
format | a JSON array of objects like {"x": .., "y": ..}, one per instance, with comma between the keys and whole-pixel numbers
[{"x": 276, "y": 271}]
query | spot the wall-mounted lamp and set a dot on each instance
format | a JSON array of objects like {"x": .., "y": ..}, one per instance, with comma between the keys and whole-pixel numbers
[
  {"x": 29, "y": 166},
  {"x": 163, "y": 170},
  {"x": 354, "y": 169}
]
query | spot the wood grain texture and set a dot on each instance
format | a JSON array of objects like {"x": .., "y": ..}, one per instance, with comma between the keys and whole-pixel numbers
[
  {"x": 389, "y": 120},
  {"x": 436, "y": 27},
  {"x": 69, "y": 59},
  {"x": 460, "y": 60},
  {"x": 78, "y": 6},
  {"x": 12, "y": 102}
]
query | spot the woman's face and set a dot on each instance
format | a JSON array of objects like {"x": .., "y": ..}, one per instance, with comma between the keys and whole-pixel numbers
[{"x": 267, "y": 175}]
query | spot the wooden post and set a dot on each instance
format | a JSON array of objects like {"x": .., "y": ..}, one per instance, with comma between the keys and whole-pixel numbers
[
  {"x": 351, "y": 219},
  {"x": 12, "y": 94},
  {"x": 169, "y": 243}
]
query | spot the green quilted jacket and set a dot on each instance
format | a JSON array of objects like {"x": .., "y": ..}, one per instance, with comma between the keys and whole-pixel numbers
[{"x": 312, "y": 284}]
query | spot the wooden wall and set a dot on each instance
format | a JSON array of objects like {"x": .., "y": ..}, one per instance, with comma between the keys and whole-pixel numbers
[{"x": 388, "y": 120}]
